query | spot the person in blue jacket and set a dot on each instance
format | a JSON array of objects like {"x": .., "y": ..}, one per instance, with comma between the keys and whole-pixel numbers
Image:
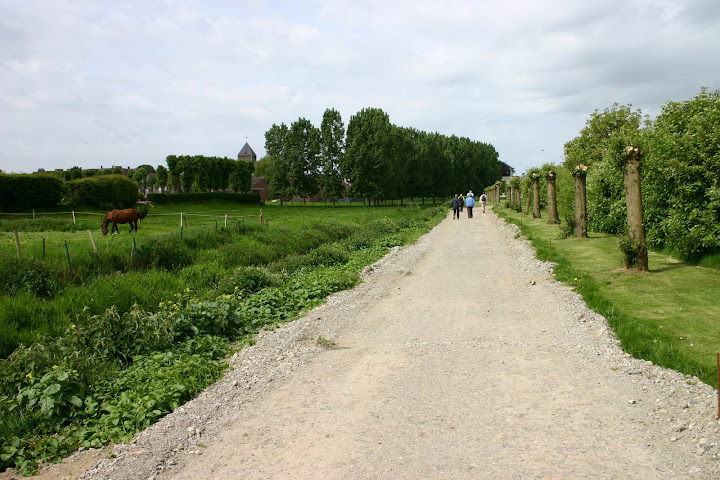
[{"x": 470, "y": 203}]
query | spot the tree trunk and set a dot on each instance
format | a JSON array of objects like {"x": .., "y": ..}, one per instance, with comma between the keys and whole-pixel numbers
[
  {"x": 527, "y": 200},
  {"x": 536, "y": 198},
  {"x": 552, "y": 201},
  {"x": 580, "y": 207},
  {"x": 633, "y": 199},
  {"x": 517, "y": 205}
]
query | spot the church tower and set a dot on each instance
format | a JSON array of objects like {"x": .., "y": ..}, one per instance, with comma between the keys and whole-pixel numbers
[{"x": 247, "y": 153}]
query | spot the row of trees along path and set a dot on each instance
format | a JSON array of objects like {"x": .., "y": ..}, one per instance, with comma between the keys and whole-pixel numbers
[{"x": 631, "y": 160}]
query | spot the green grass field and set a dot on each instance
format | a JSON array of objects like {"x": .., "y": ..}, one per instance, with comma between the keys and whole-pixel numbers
[
  {"x": 93, "y": 356},
  {"x": 215, "y": 238},
  {"x": 669, "y": 315}
]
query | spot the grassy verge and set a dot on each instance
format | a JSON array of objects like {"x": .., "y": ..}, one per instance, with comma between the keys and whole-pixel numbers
[{"x": 669, "y": 315}]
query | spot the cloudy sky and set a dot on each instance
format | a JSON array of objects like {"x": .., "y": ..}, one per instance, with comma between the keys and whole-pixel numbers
[{"x": 99, "y": 83}]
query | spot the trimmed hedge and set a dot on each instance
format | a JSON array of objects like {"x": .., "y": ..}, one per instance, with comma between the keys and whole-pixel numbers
[
  {"x": 20, "y": 193},
  {"x": 203, "y": 197},
  {"x": 105, "y": 191}
]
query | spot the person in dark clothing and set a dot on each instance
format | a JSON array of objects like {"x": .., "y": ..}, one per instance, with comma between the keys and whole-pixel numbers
[{"x": 456, "y": 204}]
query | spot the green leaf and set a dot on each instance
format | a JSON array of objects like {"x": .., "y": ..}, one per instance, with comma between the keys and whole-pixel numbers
[
  {"x": 52, "y": 389},
  {"x": 47, "y": 404}
]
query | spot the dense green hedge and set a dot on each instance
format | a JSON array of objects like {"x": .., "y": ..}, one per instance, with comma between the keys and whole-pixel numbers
[
  {"x": 106, "y": 191},
  {"x": 680, "y": 187},
  {"x": 203, "y": 197},
  {"x": 20, "y": 193}
]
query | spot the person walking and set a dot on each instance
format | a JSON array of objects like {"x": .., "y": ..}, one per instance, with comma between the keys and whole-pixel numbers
[
  {"x": 462, "y": 202},
  {"x": 483, "y": 200},
  {"x": 470, "y": 203},
  {"x": 456, "y": 204}
]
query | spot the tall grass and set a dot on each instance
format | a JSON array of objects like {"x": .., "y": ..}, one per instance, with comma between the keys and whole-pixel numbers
[
  {"x": 42, "y": 296},
  {"x": 110, "y": 372}
]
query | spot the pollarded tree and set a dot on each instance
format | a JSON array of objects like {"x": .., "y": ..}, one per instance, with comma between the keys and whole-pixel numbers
[
  {"x": 332, "y": 144},
  {"x": 302, "y": 151},
  {"x": 580, "y": 223},
  {"x": 596, "y": 147},
  {"x": 515, "y": 195},
  {"x": 535, "y": 176},
  {"x": 636, "y": 254},
  {"x": 550, "y": 178}
]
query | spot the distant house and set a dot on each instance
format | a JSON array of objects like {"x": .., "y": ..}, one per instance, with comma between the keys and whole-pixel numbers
[
  {"x": 260, "y": 186},
  {"x": 247, "y": 153}
]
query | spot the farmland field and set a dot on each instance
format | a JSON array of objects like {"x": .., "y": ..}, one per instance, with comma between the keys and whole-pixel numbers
[{"x": 101, "y": 345}]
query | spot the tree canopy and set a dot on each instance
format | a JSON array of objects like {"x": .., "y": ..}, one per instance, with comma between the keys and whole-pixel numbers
[{"x": 374, "y": 159}]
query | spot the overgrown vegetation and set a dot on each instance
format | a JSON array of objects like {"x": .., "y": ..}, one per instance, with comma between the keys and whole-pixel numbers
[{"x": 108, "y": 356}]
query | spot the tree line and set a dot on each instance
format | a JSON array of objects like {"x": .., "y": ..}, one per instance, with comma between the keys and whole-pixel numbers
[
  {"x": 198, "y": 173},
  {"x": 373, "y": 160},
  {"x": 679, "y": 173}
]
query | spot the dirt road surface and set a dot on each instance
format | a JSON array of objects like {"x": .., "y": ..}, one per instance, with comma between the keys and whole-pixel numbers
[{"x": 457, "y": 357}]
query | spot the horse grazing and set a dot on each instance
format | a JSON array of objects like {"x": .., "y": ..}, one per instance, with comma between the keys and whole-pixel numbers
[{"x": 130, "y": 216}]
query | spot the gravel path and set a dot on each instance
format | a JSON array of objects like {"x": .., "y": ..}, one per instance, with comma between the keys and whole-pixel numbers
[{"x": 457, "y": 357}]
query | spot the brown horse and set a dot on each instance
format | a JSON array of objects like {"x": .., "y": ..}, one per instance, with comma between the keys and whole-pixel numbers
[{"x": 130, "y": 216}]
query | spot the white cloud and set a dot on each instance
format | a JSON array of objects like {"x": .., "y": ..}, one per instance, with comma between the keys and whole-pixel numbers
[{"x": 90, "y": 83}]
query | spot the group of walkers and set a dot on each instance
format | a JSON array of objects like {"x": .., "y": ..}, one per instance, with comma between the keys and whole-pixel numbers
[{"x": 468, "y": 201}]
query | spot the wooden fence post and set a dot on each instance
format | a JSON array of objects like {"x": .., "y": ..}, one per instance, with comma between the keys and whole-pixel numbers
[
  {"x": 92, "y": 240},
  {"x": 67, "y": 252},
  {"x": 17, "y": 243},
  {"x": 73, "y": 217}
]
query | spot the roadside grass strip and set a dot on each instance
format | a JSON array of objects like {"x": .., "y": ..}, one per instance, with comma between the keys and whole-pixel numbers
[{"x": 669, "y": 315}]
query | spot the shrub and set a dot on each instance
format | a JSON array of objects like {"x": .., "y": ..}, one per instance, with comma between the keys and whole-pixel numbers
[
  {"x": 291, "y": 263},
  {"x": 606, "y": 207},
  {"x": 629, "y": 249},
  {"x": 27, "y": 275},
  {"x": 105, "y": 191},
  {"x": 329, "y": 254},
  {"x": 680, "y": 186},
  {"x": 206, "y": 275},
  {"x": 249, "y": 280},
  {"x": 167, "y": 251},
  {"x": 21, "y": 193},
  {"x": 204, "y": 197},
  {"x": 248, "y": 252}
]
